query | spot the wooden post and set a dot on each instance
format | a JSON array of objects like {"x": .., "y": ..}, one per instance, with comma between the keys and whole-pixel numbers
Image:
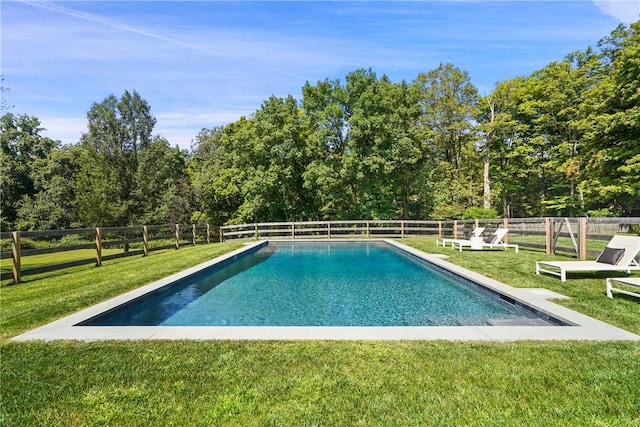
[
  {"x": 368, "y": 230},
  {"x": 582, "y": 239},
  {"x": 439, "y": 229},
  {"x": 256, "y": 231},
  {"x": 193, "y": 234},
  {"x": 208, "y": 234},
  {"x": 15, "y": 251},
  {"x": 402, "y": 229},
  {"x": 505, "y": 224},
  {"x": 293, "y": 230},
  {"x": 477, "y": 223},
  {"x": 328, "y": 229},
  {"x": 221, "y": 235},
  {"x": 455, "y": 229},
  {"x": 177, "y": 236},
  {"x": 145, "y": 240},
  {"x": 98, "y": 247},
  {"x": 548, "y": 230}
]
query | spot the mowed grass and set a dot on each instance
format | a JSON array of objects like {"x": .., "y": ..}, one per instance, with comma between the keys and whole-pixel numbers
[
  {"x": 43, "y": 260},
  {"x": 312, "y": 382},
  {"x": 320, "y": 383}
]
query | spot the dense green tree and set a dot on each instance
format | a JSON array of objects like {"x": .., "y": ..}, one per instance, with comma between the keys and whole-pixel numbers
[
  {"x": 449, "y": 104},
  {"x": 327, "y": 113},
  {"x": 21, "y": 147},
  {"x": 271, "y": 152},
  {"x": 612, "y": 164},
  {"x": 216, "y": 183},
  {"x": 52, "y": 205},
  {"x": 509, "y": 157},
  {"x": 119, "y": 129},
  {"x": 367, "y": 149},
  {"x": 159, "y": 180}
]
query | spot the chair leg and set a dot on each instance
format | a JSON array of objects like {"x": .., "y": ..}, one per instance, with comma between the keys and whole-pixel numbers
[{"x": 609, "y": 292}]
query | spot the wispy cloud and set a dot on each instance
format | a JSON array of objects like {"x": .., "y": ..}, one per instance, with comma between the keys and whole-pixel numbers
[
  {"x": 98, "y": 19},
  {"x": 626, "y": 11},
  {"x": 206, "y": 63}
]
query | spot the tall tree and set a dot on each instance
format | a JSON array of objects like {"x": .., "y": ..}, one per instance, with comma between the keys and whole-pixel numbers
[
  {"x": 449, "y": 104},
  {"x": 161, "y": 169},
  {"x": 52, "y": 206},
  {"x": 216, "y": 182},
  {"x": 612, "y": 167},
  {"x": 271, "y": 150},
  {"x": 118, "y": 130},
  {"x": 21, "y": 146}
]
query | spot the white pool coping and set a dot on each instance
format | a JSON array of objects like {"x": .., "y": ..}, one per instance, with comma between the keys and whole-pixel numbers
[{"x": 584, "y": 327}]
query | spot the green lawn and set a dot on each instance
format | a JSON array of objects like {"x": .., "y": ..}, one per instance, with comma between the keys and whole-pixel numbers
[
  {"x": 42, "y": 260},
  {"x": 311, "y": 382}
]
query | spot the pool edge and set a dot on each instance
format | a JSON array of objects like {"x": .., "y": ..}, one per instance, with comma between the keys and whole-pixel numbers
[{"x": 583, "y": 327}]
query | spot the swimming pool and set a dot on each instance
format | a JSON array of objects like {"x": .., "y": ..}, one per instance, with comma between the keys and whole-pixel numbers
[
  {"x": 367, "y": 283},
  {"x": 581, "y": 327}
]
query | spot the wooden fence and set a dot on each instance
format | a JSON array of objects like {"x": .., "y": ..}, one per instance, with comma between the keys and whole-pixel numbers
[
  {"x": 118, "y": 241},
  {"x": 552, "y": 235},
  {"x": 535, "y": 233}
]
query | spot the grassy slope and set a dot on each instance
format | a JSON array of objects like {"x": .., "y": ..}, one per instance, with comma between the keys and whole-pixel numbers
[{"x": 311, "y": 383}]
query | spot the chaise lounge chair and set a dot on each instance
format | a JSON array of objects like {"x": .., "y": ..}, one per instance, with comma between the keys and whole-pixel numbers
[
  {"x": 494, "y": 240},
  {"x": 475, "y": 233},
  {"x": 619, "y": 255},
  {"x": 630, "y": 282}
]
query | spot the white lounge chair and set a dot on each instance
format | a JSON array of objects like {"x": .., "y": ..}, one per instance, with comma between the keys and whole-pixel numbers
[
  {"x": 630, "y": 282},
  {"x": 475, "y": 233},
  {"x": 494, "y": 240},
  {"x": 619, "y": 255}
]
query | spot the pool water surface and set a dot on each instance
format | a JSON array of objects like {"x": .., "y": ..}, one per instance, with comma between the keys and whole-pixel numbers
[{"x": 320, "y": 284}]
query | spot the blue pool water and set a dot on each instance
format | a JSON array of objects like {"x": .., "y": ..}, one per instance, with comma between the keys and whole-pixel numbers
[{"x": 319, "y": 284}]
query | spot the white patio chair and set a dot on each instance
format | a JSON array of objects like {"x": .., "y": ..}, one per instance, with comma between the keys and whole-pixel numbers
[
  {"x": 494, "y": 240},
  {"x": 475, "y": 233},
  {"x": 619, "y": 255},
  {"x": 628, "y": 282}
]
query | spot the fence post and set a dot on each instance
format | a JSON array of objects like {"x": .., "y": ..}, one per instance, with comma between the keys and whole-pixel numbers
[
  {"x": 402, "y": 229},
  {"x": 328, "y": 229},
  {"x": 98, "y": 247},
  {"x": 15, "y": 252},
  {"x": 145, "y": 240},
  {"x": 293, "y": 230},
  {"x": 368, "y": 230},
  {"x": 208, "y": 234},
  {"x": 548, "y": 228},
  {"x": 455, "y": 229},
  {"x": 439, "y": 229},
  {"x": 221, "y": 235},
  {"x": 256, "y": 231},
  {"x": 193, "y": 234},
  {"x": 582, "y": 239},
  {"x": 177, "y": 236},
  {"x": 505, "y": 224}
]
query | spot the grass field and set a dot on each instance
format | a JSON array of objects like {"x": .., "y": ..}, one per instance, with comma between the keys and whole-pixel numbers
[{"x": 312, "y": 382}]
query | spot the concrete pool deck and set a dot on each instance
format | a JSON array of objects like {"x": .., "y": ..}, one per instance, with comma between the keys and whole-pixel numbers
[{"x": 581, "y": 327}]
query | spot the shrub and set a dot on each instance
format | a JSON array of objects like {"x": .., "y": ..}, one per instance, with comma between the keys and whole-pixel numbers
[
  {"x": 600, "y": 213},
  {"x": 476, "y": 212},
  {"x": 447, "y": 212}
]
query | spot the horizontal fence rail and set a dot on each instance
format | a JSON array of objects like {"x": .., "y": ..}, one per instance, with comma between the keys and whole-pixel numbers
[
  {"x": 579, "y": 237},
  {"x": 553, "y": 235},
  {"x": 96, "y": 245}
]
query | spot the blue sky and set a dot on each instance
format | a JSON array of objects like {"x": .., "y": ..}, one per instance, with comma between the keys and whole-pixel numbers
[{"x": 201, "y": 64}]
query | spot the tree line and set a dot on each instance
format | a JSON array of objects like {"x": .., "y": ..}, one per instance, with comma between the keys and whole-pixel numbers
[{"x": 563, "y": 141}]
